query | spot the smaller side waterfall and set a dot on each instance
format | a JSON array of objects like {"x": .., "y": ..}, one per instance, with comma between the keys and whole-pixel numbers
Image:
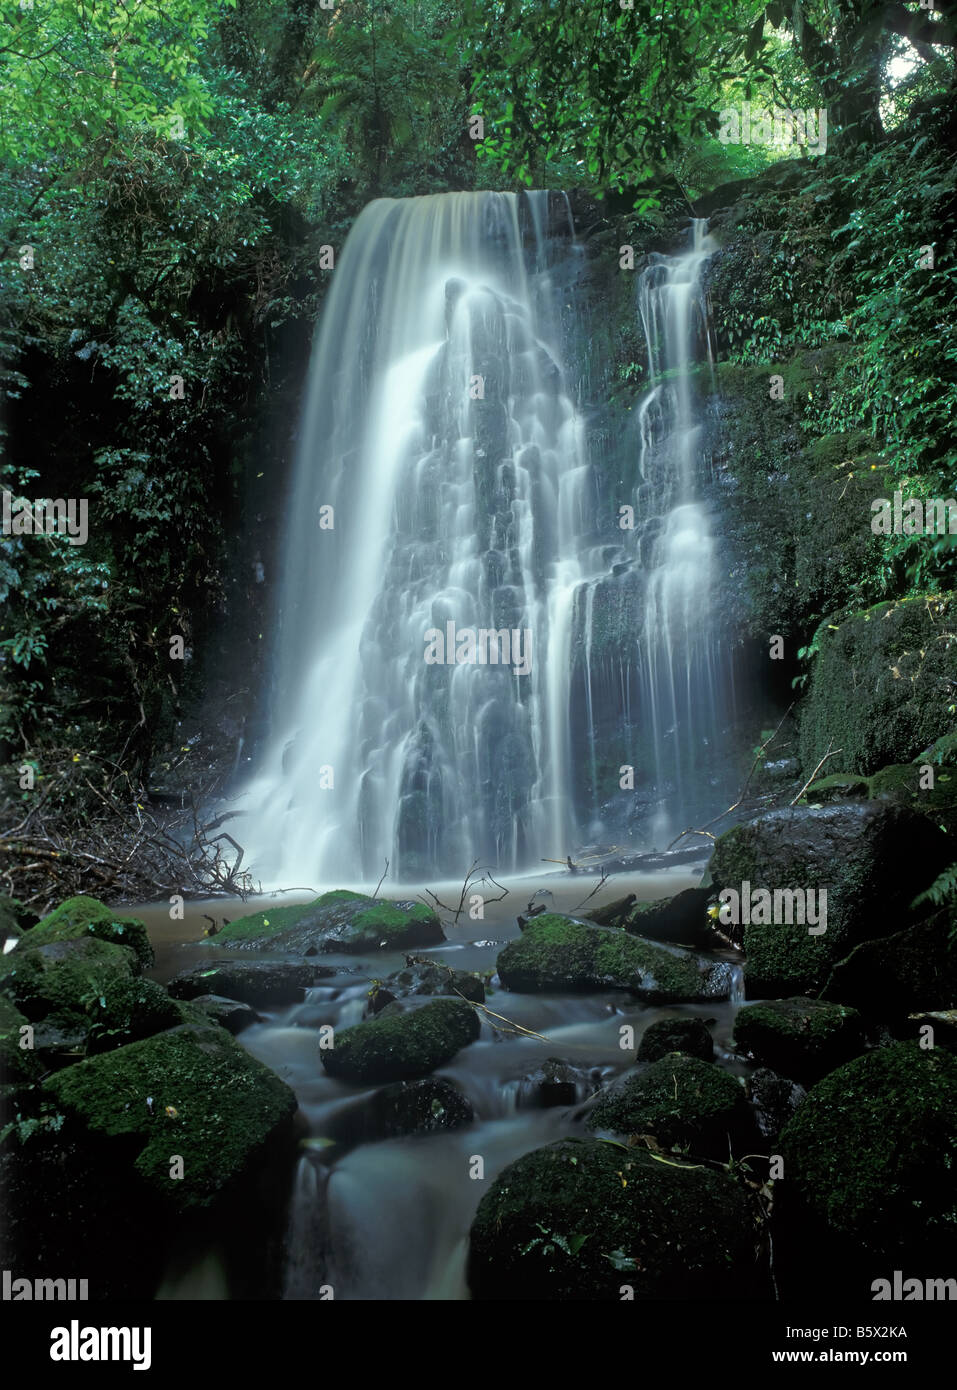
[{"x": 652, "y": 664}]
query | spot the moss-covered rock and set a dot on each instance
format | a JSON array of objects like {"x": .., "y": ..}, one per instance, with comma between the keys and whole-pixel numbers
[
  {"x": 337, "y": 921},
  {"x": 580, "y": 1219},
  {"x": 83, "y": 994},
  {"x": 558, "y": 953},
  {"x": 870, "y": 1152},
  {"x": 556, "y": 1082},
  {"x": 912, "y": 969},
  {"x": 402, "y": 1047},
  {"x": 803, "y": 1039},
  {"x": 17, "y": 1064},
  {"x": 212, "y": 1104},
  {"x": 853, "y": 851},
  {"x": 688, "y": 1035},
  {"x": 79, "y": 917},
  {"x": 838, "y": 786},
  {"x": 896, "y": 657},
  {"x": 260, "y": 983},
  {"x": 15, "y": 917},
  {"x": 684, "y": 1104}
]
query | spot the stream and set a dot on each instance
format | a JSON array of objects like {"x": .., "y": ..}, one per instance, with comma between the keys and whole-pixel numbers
[{"x": 390, "y": 1219}]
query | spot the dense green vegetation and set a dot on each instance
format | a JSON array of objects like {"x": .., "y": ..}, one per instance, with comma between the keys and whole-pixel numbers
[{"x": 170, "y": 173}]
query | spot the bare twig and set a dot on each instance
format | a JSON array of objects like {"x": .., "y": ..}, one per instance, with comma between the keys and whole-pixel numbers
[
  {"x": 379, "y": 884},
  {"x": 829, "y": 754}
]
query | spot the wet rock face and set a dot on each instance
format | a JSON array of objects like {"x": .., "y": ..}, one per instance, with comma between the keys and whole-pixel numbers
[
  {"x": 853, "y": 851},
  {"x": 402, "y": 1046},
  {"x": 338, "y": 921},
  {"x": 259, "y": 983},
  {"x": 557, "y": 1083},
  {"x": 688, "y": 1035},
  {"x": 869, "y": 1155},
  {"x": 558, "y": 953},
  {"x": 682, "y": 1104},
  {"x": 580, "y": 1219},
  {"x": 800, "y": 1038}
]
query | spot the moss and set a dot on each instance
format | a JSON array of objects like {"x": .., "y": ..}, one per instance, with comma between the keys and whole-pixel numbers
[
  {"x": 337, "y": 921},
  {"x": 870, "y": 1152},
  {"x": 402, "y": 1047},
  {"x": 66, "y": 978},
  {"x": 80, "y": 916},
  {"x": 263, "y": 925},
  {"x": 17, "y": 1064},
  {"x": 684, "y": 1103},
  {"x": 853, "y": 850},
  {"x": 227, "y": 1106},
  {"x": 913, "y": 969},
  {"x": 689, "y": 1035},
  {"x": 801, "y": 1038},
  {"x": 580, "y": 1219},
  {"x": 838, "y": 786},
  {"x": 556, "y": 953},
  {"x": 876, "y": 684}
]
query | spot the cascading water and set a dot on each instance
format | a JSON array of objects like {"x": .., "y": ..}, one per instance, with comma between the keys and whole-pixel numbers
[
  {"x": 442, "y": 487},
  {"x": 439, "y": 432},
  {"x": 654, "y": 680}
]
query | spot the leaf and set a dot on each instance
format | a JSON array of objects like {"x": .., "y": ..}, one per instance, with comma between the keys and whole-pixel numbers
[{"x": 622, "y": 1262}]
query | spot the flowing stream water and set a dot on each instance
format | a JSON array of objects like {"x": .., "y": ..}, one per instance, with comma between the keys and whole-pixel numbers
[{"x": 389, "y": 1219}]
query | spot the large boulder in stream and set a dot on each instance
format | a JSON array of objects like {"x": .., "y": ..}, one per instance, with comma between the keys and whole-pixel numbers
[
  {"x": 683, "y": 1104},
  {"x": 583, "y": 1219},
  {"x": 261, "y": 983},
  {"x": 191, "y": 1091},
  {"x": 689, "y": 1035},
  {"x": 558, "y": 953},
  {"x": 338, "y": 921},
  {"x": 83, "y": 994},
  {"x": 402, "y": 1046},
  {"x": 83, "y": 917},
  {"x": 430, "y": 1105},
  {"x": 853, "y": 852},
  {"x": 870, "y": 1155},
  {"x": 894, "y": 975},
  {"x": 801, "y": 1038}
]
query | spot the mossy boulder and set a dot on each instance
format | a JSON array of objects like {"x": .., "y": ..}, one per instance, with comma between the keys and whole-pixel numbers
[
  {"x": 402, "y": 1046},
  {"x": 581, "y": 1219},
  {"x": 688, "y": 1035},
  {"x": 79, "y": 917},
  {"x": 337, "y": 921},
  {"x": 17, "y": 1064},
  {"x": 682, "y": 920},
  {"x": 684, "y": 1104},
  {"x": 870, "y": 1153},
  {"x": 893, "y": 975},
  {"x": 802, "y": 1038},
  {"x": 260, "y": 983},
  {"x": 558, "y": 953},
  {"x": 426, "y": 977},
  {"x": 876, "y": 683},
  {"x": 853, "y": 851},
  {"x": 83, "y": 993},
  {"x": 212, "y": 1104}
]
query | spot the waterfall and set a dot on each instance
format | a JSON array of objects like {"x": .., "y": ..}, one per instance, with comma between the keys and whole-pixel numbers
[
  {"x": 439, "y": 432},
  {"x": 442, "y": 488}
]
